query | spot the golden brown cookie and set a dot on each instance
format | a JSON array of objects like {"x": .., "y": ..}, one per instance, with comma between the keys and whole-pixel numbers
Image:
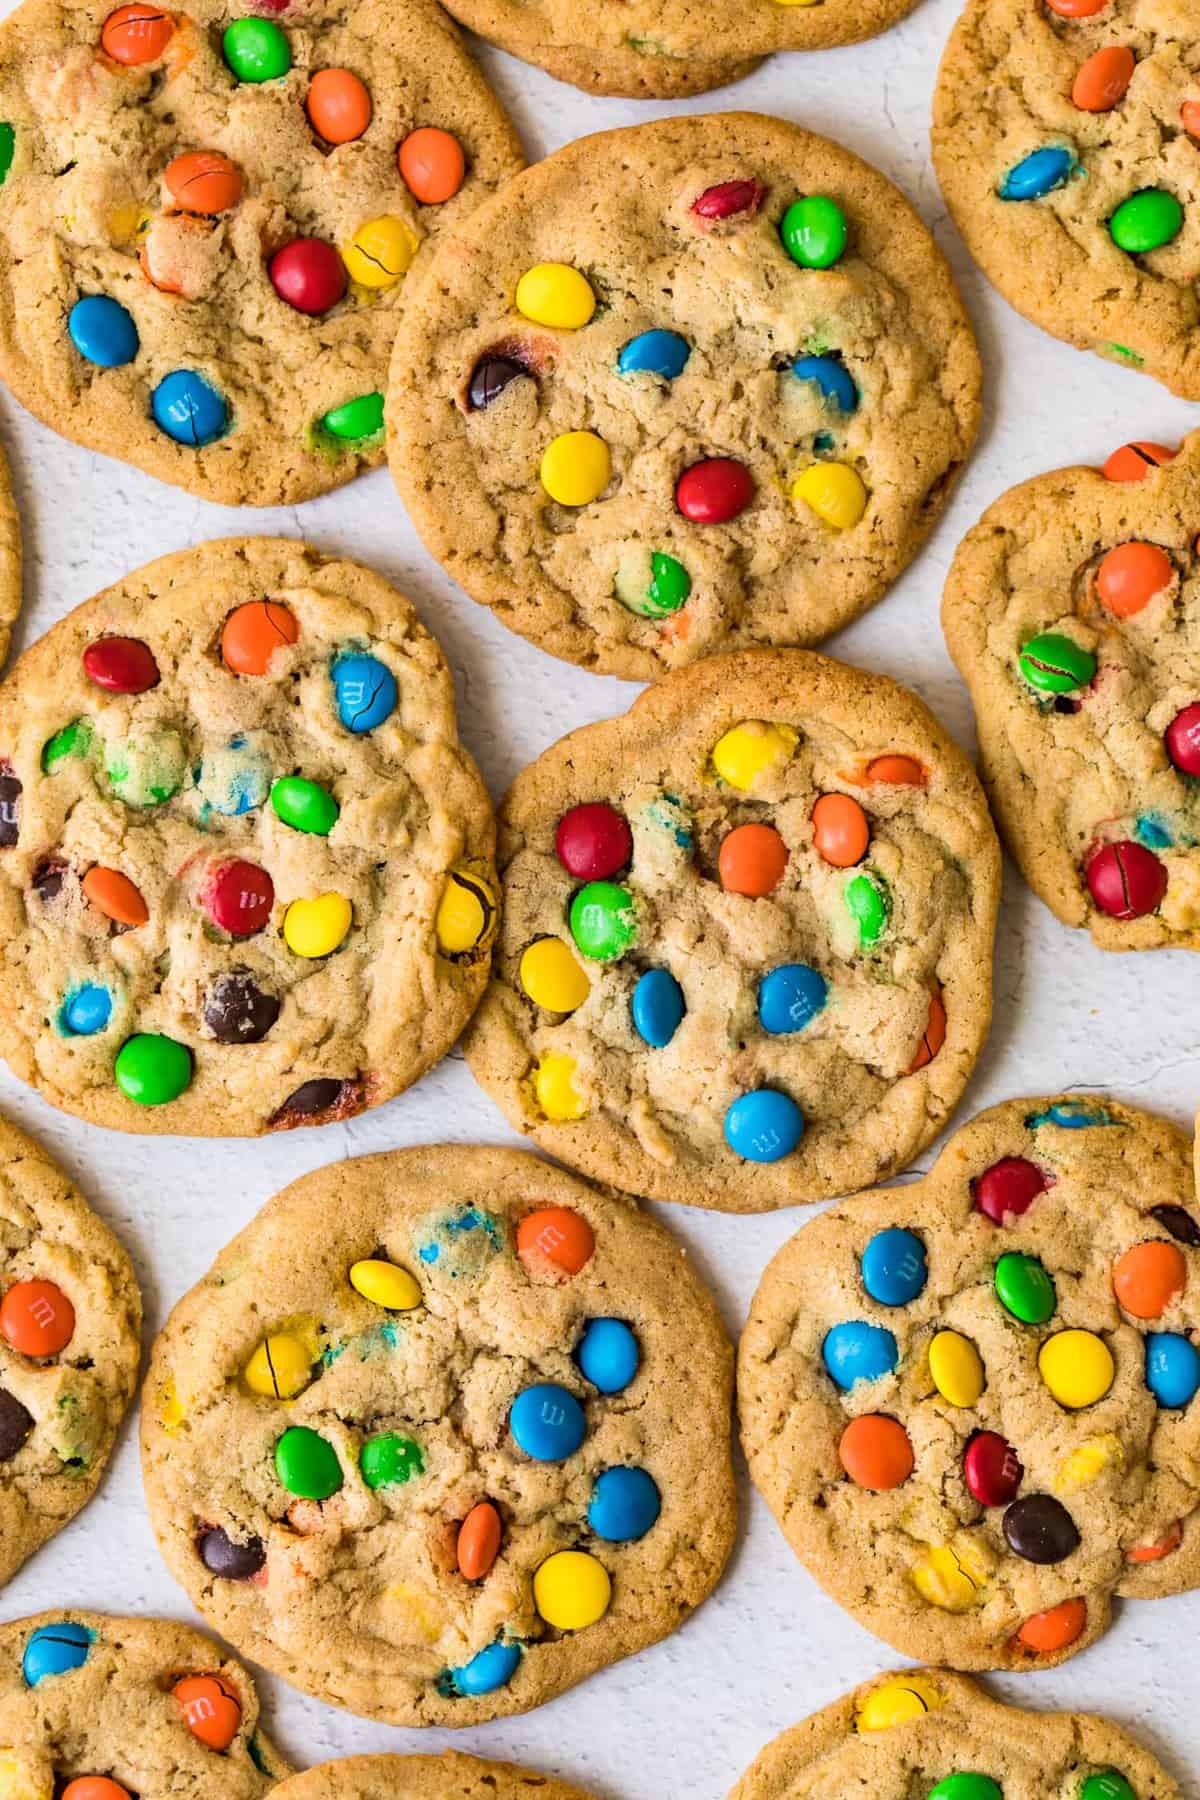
[
  {"x": 446, "y": 1777},
  {"x": 10, "y": 561},
  {"x": 971, "y": 1402},
  {"x": 696, "y": 385}
]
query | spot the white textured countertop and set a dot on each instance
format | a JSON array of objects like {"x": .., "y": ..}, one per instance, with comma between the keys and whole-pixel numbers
[{"x": 686, "y": 1717}]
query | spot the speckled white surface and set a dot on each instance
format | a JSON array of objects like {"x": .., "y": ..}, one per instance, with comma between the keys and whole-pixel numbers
[{"x": 685, "y": 1718}]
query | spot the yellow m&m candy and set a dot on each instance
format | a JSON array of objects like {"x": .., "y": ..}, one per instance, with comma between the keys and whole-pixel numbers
[
  {"x": 281, "y": 1367},
  {"x": 554, "y": 1085},
  {"x": 576, "y": 468},
  {"x": 896, "y": 1702},
  {"x": 380, "y": 252},
  {"x": 386, "y": 1284},
  {"x": 555, "y": 294},
  {"x": 952, "y": 1576},
  {"x": 315, "y": 928},
  {"x": 572, "y": 1590},
  {"x": 1077, "y": 1367},
  {"x": 552, "y": 978},
  {"x": 22, "y": 1779},
  {"x": 1089, "y": 1462},
  {"x": 834, "y": 491},
  {"x": 749, "y": 750},
  {"x": 466, "y": 913},
  {"x": 956, "y": 1367}
]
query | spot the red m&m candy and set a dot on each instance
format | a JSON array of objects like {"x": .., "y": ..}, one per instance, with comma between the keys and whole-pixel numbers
[
  {"x": 1009, "y": 1188},
  {"x": 729, "y": 198},
  {"x": 1126, "y": 880},
  {"x": 1130, "y": 576},
  {"x": 992, "y": 1469},
  {"x": 1182, "y": 738},
  {"x": 309, "y": 274},
  {"x": 37, "y": 1318},
  {"x": 238, "y": 897},
  {"x": 714, "y": 491},
  {"x": 121, "y": 665},
  {"x": 1132, "y": 462},
  {"x": 593, "y": 841}
]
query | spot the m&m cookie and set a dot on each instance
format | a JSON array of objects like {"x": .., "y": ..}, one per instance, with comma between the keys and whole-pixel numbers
[
  {"x": 746, "y": 945},
  {"x": 10, "y": 567},
  {"x": 1065, "y": 137},
  {"x": 441, "y": 1433},
  {"x": 246, "y": 871},
  {"x": 100, "y": 1708},
  {"x": 70, "y": 1336},
  {"x": 929, "y": 1734},
  {"x": 695, "y": 385},
  {"x": 973, "y": 1404},
  {"x": 210, "y": 219},
  {"x": 1073, "y": 612},
  {"x": 446, "y": 1777}
]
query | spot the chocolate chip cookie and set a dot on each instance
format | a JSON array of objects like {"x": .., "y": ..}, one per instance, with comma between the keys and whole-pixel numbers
[
  {"x": 246, "y": 866},
  {"x": 745, "y": 956},
  {"x": 209, "y": 221},
  {"x": 1073, "y": 612},
  {"x": 972, "y": 1403},
  {"x": 441, "y": 1433},
  {"x": 445, "y": 1777},
  {"x": 695, "y": 385}
]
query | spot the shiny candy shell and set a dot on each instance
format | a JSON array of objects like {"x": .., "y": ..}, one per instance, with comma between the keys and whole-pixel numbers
[
  {"x": 1107, "y": 1784},
  {"x": 1077, "y": 1367},
  {"x": 551, "y": 977},
  {"x": 490, "y": 1668},
  {"x": 750, "y": 750},
  {"x": 895, "y": 1267},
  {"x": 1008, "y": 1189},
  {"x": 121, "y": 665},
  {"x": 830, "y": 376},
  {"x": 211, "y": 1712},
  {"x": 256, "y": 50},
  {"x": 365, "y": 691},
  {"x": 841, "y": 834},
  {"x": 86, "y": 1010},
  {"x": 1038, "y": 174},
  {"x": 355, "y": 421},
  {"x": 315, "y": 928},
  {"x": 576, "y": 468},
  {"x": 956, "y": 1368},
  {"x": 188, "y": 408},
  {"x": 609, "y": 1355},
  {"x": 55, "y": 1650},
  {"x": 1146, "y": 221},
  {"x": 1102, "y": 81},
  {"x": 834, "y": 491},
  {"x": 554, "y": 1087},
  {"x": 992, "y": 1469},
  {"x": 252, "y": 634},
  {"x": 478, "y": 1542},
  {"x": 280, "y": 1368},
  {"x": 897, "y": 1701},
  {"x": 967, "y": 1786},
  {"x": 37, "y": 1319},
  {"x": 1182, "y": 739},
  {"x": 309, "y": 275},
  {"x": 103, "y": 331},
  {"x": 1131, "y": 575},
  {"x": 625, "y": 1504},
  {"x": 1148, "y": 1277},
  {"x": 385, "y": 1284},
  {"x": 867, "y": 902},
  {"x": 1125, "y": 880},
  {"x": 307, "y": 1464},
  {"x": 763, "y": 1126},
  {"x": 137, "y": 34},
  {"x": 1040, "y": 1529},
  {"x": 466, "y": 914},
  {"x": 1172, "y": 1368},
  {"x": 1024, "y": 1288},
  {"x": 1056, "y": 664},
  {"x": 389, "y": 1460},
  {"x": 855, "y": 1351},
  {"x": 380, "y": 253},
  {"x": 432, "y": 165},
  {"x": 593, "y": 841},
  {"x": 813, "y": 231},
  {"x": 876, "y": 1452},
  {"x": 572, "y": 1590},
  {"x": 556, "y": 295},
  {"x": 203, "y": 182},
  {"x": 114, "y": 896},
  {"x": 555, "y": 1243},
  {"x": 152, "y": 1070},
  {"x": 752, "y": 860},
  {"x": 662, "y": 353},
  {"x": 338, "y": 105},
  {"x": 603, "y": 920},
  {"x": 714, "y": 491},
  {"x": 547, "y": 1422},
  {"x": 1134, "y": 461},
  {"x": 658, "y": 1007},
  {"x": 1046, "y": 1633},
  {"x": 304, "y": 805},
  {"x": 238, "y": 897},
  {"x": 790, "y": 997}
]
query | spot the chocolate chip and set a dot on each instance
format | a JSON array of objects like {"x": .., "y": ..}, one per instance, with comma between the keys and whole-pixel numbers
[
  {"x": 48, "y": 879},
  {"x": 1040, "y": 1529},
  {"x": 489, "y": 378},
  {"x": 15, "y": 1425},
  {"x": 230, "y": 1560},
  {"x": 237, "y": 1011},
  {"x": 10, "y": 810},
  {"x": 1179, "y": 1223}
]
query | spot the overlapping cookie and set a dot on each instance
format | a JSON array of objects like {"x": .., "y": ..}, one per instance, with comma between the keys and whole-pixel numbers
[
  {"x": 1066, "y": 137},
  {"x": 209, "y": 218},
  {"x": 1073, "y": 612},
  {"x": 972, "y": 1403},
  {"x": 10, "y": 564},
  {"x": 695, "y": 385},
  {"x": 441, "y": 1433},
  {"x": 246, "y": 865},
  {"x": 745, "y": 954},
  {"x": 70, "y": 1341},
  {"x": 445, "y": 1777},
  {"x": 929, "y": 1733},
  {"x": 99, "y": 1708}
]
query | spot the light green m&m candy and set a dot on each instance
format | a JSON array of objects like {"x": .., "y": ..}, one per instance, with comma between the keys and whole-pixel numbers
[
  {"x": 74, "y": 739},
  {"x": 813, "y": 230},
  {"x": 1107, "y": 1784},
  {"x": 868, "y": 904},
  {"x": 967, "y": 1787},
  {"x": 1056, "y": 664},
  {"x": 304, "y": 806},
  {"x": 356, "y": 419},
  {"x": 652, "y": 586},
  {"x": 1146, "y": 221},
  {"x": 150, "y": 1069},
  {"x": 1024, "y": 1289},
  {"x": 147, "y": 767},
  {"x": 603, "y": 920},
  {"x": 307, "y": 1464},
  {"x": 256, "y": 50},
  {"x": 8, "y": 144},
  {"x": 389, "y": 1460}
]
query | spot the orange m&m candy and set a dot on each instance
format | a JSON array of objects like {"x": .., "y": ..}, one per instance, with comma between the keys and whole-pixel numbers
[
  {"x": 554, "y": 1242},
  {"x": 1133, "y": 462},
  {"x": 934, "y": 1036},
  {"x": 432, "y": 164},
  {"x": 751, "y": 860},
  {"x": 1131, "y": 575},
  {"x": 1102, "y": 80},
  {"x": 203, "y": 181},
  {"x": 212, "y": 1713},
  {"x": 1189, "y": 117},
  {"x": 114, "y": 895},
  {"x": 254, "y": 632},
  {"x": 37, "y": 1318},
  {"x": 1148, "y": 1553},
  {"x": 136, "y": 34},
  {"x": 1148, "y": 1277},
  {"x": 1046, "y": 1632},
  {"x": 338, "y": 105},
  {"x": 840, "y": 830},
  {"x": 94, "y": 1787},
  {"x": 478, "y": 1541},
  {"x": 1077, "y": 9},
  {"x": 898, "y": 771},
  {"x": 876, "y": 1453}
]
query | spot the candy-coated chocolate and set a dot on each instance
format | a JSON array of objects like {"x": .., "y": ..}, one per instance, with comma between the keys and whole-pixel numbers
[
  {"x": 355, "y": 422},
  {"x": 834, "y": 491},
  {"x": 556, "y": 295},
  {"x": 551, "y": 977},
  {"x": 1146, "y": 221},
  {"x": 489, "y": 378},
  {"x": 338, "y": 105},
  {"x": 151, "y": 1069},
  {"x": 714, "y": 491},
  {"x": 380, "y": 252},
  {"x": 790, "y": 997},
  {"x": 662, "y": 353},
  {"x": 813, "y": 231},
  {"x": 308, "y": 274},
  {"x": 36, "y": 1318},
  {"x": 1077, "y": 1367},
  {"x": 831, "y": 377},
  {"x": 102, "y": 331},
  {"x": 16, "y": 1425},
  {"x": 895, "y": 1267},
  {"x": 1189, "y": 117},
  {"x": 364, "y": 690},
  {"x": 1056, "y": 664},
  {"x": 280, "y": 1368},
  {"x": 1084, "y": 1465},
  {"x": 138, "y": 34},
  {"x": 1077, "y": 9},
  {"x": 1103, "y": 80},
  {"x": 315, "y": 928},
  {"x": 238, "y": 897},
  {"x": 204, "y": 182},
  {"x": 933, "y": 1036},
  {"x": 1040, "y": 1529},
  {"x": 8, "y": 146},
  {"x": 967, "y": 1786},
  {"x": 55, "y": 1650},
  {"x": 951, "y": 1576},
  {"x": 897, "y": 1701},
  {"x": 478, "y": 1542},
  {"x": 726, "y": 199},
  {"x": 491, "y": 1668},
  {"x": 228, "y": 1558},
  {"x": 189, "y": 409},
  {"x": 256, "y": 50},
  {"x": 236, "y": 1009},
  {"x": 86, "y": 1010},
  {"x": 893, "y": 770},
  {"x": 1172, "y": 1368},
  {"x": 75, "y": 739},
  {"x": 1133, "y": 462},
  {"x": 1125, "y": 880},
  {"x": 956, "y": 1368},
  {"x": 752, "y": 860},
  {"x": 608, "y": 1354},
  {"x": 1182, "y": 739},
  {"x": 593, "y": 841},
  {"x": 1148, "y": 1278},
  {"x": 572, "y": 1590},
  {"x": 1163, "y": 1546},
  {"x": 1107, "y": 1784},
  {"x": 210, "y": 1711},
  {"x": 1045, "y": 1633},
  {"x": 307, "y": 1464},
  {"x": 840, "y": 830},
  {"x": 764, "y": 1125},
  {"x": 625, "y": 1504},
  {"x": 114, "y": 895},
  {"x": 385, "y": 1284},
  {"x": 121, "y": 665},
  {"x": 752, "y": 749},
  {"x": 855, "y": 1351},
  {"x": 235, "y": 778},
  {"x": 1179, "y": 1222},
  {"x": 555, "y": 1242},
  {"x": 147, "y": 767},
  {"x": 432, "y": 165},
  {"x": 554, "y": 1087},
  {"x": 658, "y": 1007},
  {"x": 1008, "y": 1188},
  {"x": 1131, "y": 575},
  {"x": 10, "y": 808},
  {"x": 547, "y": 1422},
  {"x": 1038, "y": 174},
  {"x": 992, "y": 1469},
  {"x": 304, "y": 805},
  {"x": 576, "y": 468},
  {"x": 389, "y": 1460},
  {"x": 1024, "y": 1288},
  {"x": 603, "y": 920},
  {"x": 876, "y": 1452},
  {"x": 868, "y": 903}
]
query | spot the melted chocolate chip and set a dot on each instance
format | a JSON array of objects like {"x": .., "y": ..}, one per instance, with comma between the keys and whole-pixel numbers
[
  {"x": 230, "y": 1560},
  {"x": 48, "y": 879},
  {"x": 312, "y": 1097},
  {"x": 1179, "y": 1223},
  {"x": 489, "y": 378},
  {"x": 237, "y": 1011},
  {"x": 1040, "y": 1529},
  {"x": 15, "y": 1425},
  {"x": 10, "y": 810}
]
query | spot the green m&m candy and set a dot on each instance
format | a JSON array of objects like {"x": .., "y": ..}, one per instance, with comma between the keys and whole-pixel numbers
[
  {"x": 868, "y": 904},
  {"x": 147, "y": 767},
  {"x": 1146, "y": 221},
  {"x": 256, "y": 50},
  {"x": 1056, "y": 664},
  {"x": 603, "y": 921},
  {"x": 307, "y": 1464},
  {"x": 653, "y": 586},
  {"x": 389, "y": 1459},
  {"x": 1024, "y": 1289},
  {"x": 150, "y": 1069},
  {"x": 304, "y": 806},
  {"x": 8, "y": 144},
  {"x": 355, "y": 419},
  {"x": 967, "y": 1787},
  {"x": 1107, "y": 1784},
  {"x": 74, "y": 739},
  {"x": 813, "y": 230}
]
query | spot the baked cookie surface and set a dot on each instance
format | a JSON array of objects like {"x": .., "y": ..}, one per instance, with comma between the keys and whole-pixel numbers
[
  {"x": 70, "y": 1343},
  {"x": 745, "y": 951},
  {"x": 246, "y": 872},
  {"x": 210, "y": 220},
  {"x": 10, "y": 561},
  {"x": 1066, "y": 137},
  {"x": 694, "y": 385},
  {"x": 971, "y": 1402},
  {"x": 930, "y": 1732},
  {"x": 473, "y": 1448},
  {"x": 140, "y": 1706},
  {"x": 445, "y": 1777},
  {"x": 1073, "y": 612}
]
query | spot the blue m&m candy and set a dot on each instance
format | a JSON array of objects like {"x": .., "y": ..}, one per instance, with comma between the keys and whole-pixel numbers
[
  {"x": 189, "y": 409},
  {"x": 764, "y": 1125},
  {"x": 790, "y": 997},
  {"x": 832, "y": 377},
  {"x": 55, "y": 1650},
  {"x": 86, "y": 1010},
  {"x": 655, "y": 353},
  {"x": 894, "y": 1266},
  {"x": 1038, "y": 174},
  {"x": 364, "y": 689},
  {"x": 658, "y": 1007},
  {"x": 547, "y": 1422},
  {"x": 625, "y": 1503},
  {"x": 609, "y": 1355},
  {"x": 1172, "y": 1368},
  {"x": 857, "y": 1351},
  {"x": 102, "y": 331},
  {"x": 489, "y": 1669}
]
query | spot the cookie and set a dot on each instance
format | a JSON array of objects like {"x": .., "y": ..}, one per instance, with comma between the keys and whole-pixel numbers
[
  {"x": 70, "y": 1343},
  {"x": 1073, "y": 612},
  {"x": 746, "y": 944},
  {"x": 1066, "y": 135},
  {"x": 650, "y": 50},
  {"x": 695, "y": 385},
  {"x": 441, "y": 1433},
  {"x": 927, "y": 1732},
  {"x": 98, "y": 1708},
  {"x": 246, "y": 870},
  {"x": 209, "y": 222},
  {"x": 10, "y": 566},
  {"x": 445, "y": 1777},
  {"x": 971, "y": 1402}
]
